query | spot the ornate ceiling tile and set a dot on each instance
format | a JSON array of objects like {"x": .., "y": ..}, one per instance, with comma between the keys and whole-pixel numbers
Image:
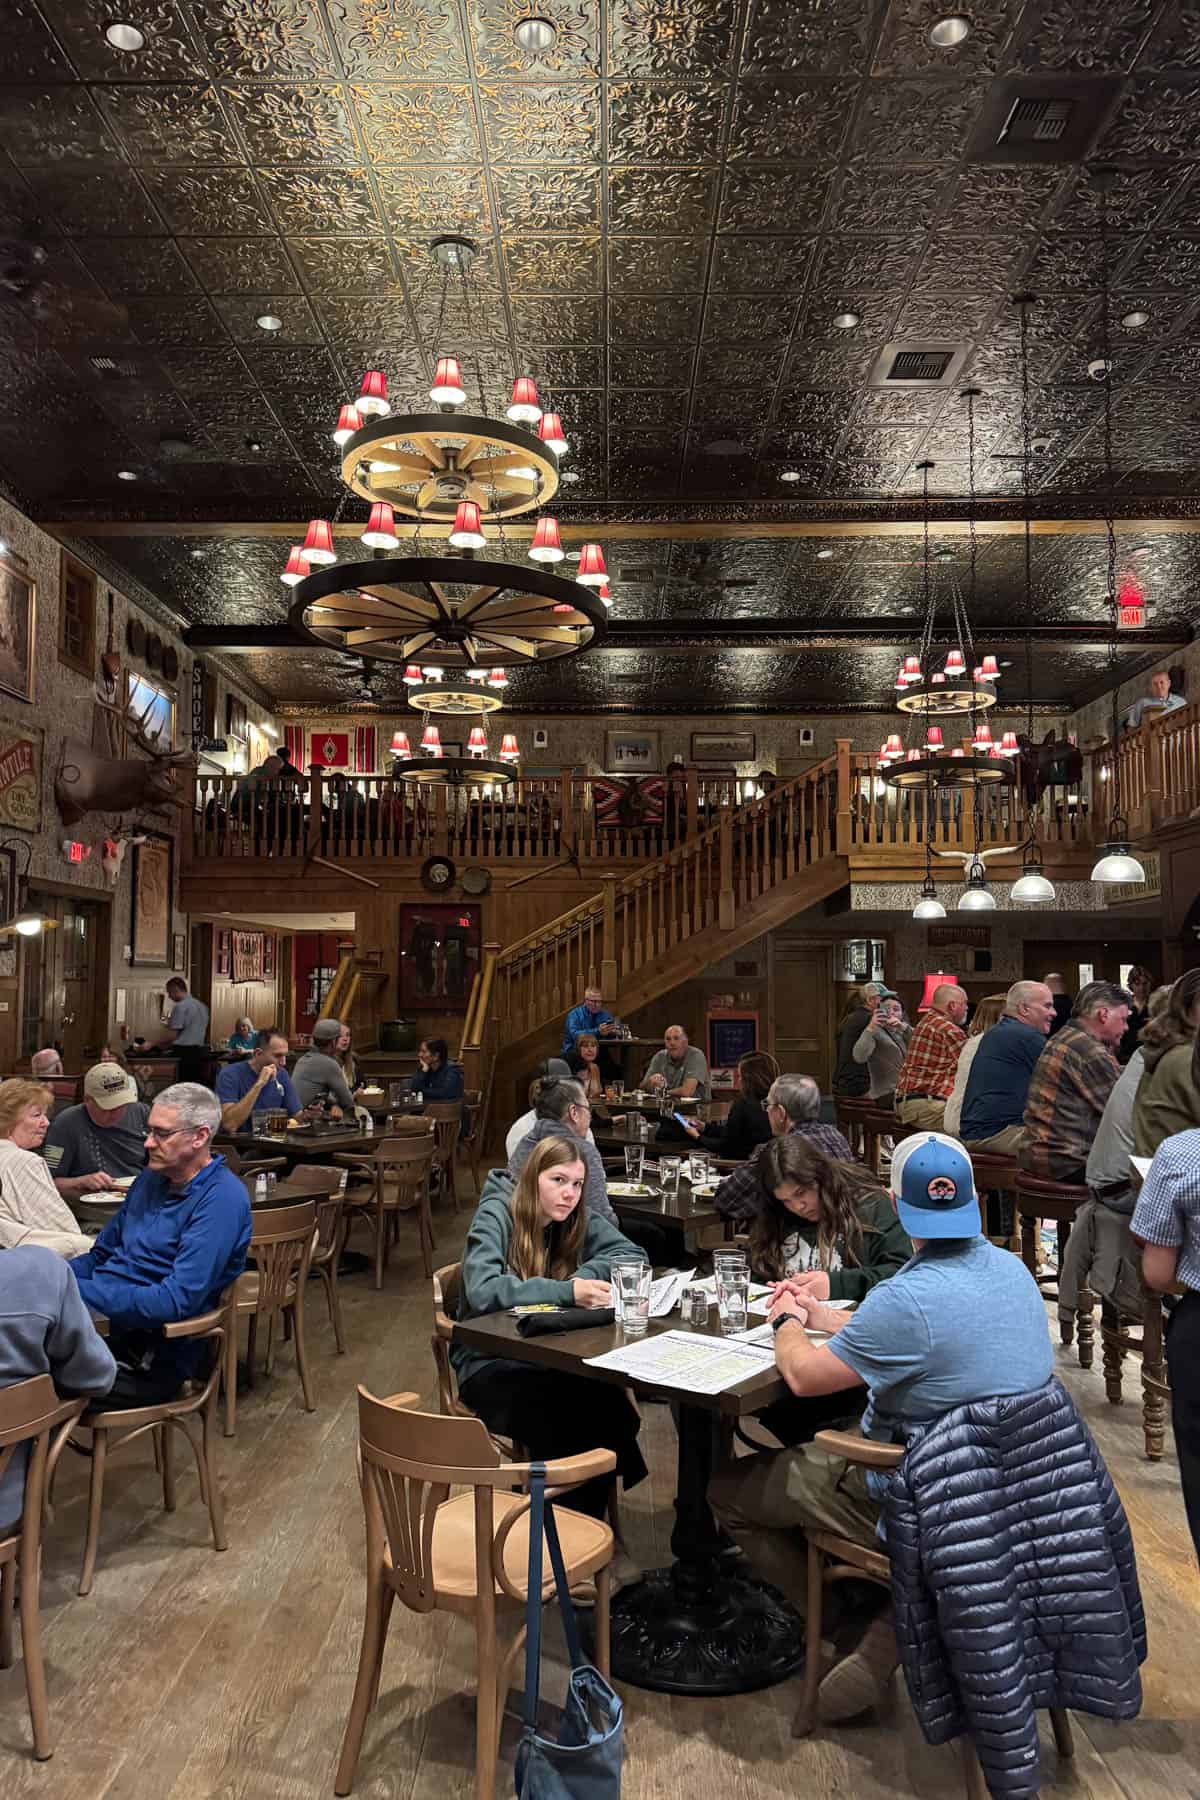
[
  {"x": 557, "y": 319},
  {"x": 1174, "y": 43},
  {"x": 990, "y": 263},
  {"x": 650, "y": 365},
  {"x": 725, "y": 317},
  {"x": 265, "y": 39},
  {"x": 380, "y": 315},
  {"x": 868, "y": 264},
  {"x": 904, "y": 48},
  {"x": 207, "y": 202},
  {"x": 280, "y": 367},
  {"x": 951, "y": 315},
  {"x": 806, "y": 37},
  {"x": 546, "y": 199},
  {"x": 571, "y": 366},
  {"x": 1070, "y": 265},
  {"x": 1136, "y": 198},
  {"x": 661, "y": 199},
  {"x": 569, "y": 265},
  {"x": 418, "y": 124},
  {"x": 817, "y": 329},
  {"x": 137, "y": 265},
  {"x": 1166, "y": 260},
  {"x": 309, "y": 202},
  {"x": 792, "y": 121},
  {"x": 652, "y": 123},
  {"x": 664, "y": 413},
  {"x": 798, "y": 445},
  {"x": 555, "y": 123},
  {"x": 28, "y": 51},
  {"x": 1076, "y": 35},
  {"x": 774, "y": 199},
  {"x": 914, "y": 120},
  {"x": 911, "y": 406},
  {"x": 1156, "y": 119},
  {"x": 871, "y": 199},
  {"x": 189, "y": 324},
  {"x": 53, "y": 125},
  {"x": 169, "y": 124},
  {"x": 376, "y": 38},
  {"x": 167, "y": 55},
  {"x": 832, "y": 366},
  {"x": 693, "y": 39},
  {"x": 343, "y": 265},
  {"x": 305, "y": 122},
  {"x": 241, "y": 265},
  {"x": 432, "y": 200},
  {"x": 1002, "y": 199},
  {"x": 760, "y": 264},
  {"x": 305, "y": 405},
  {"x": 809, "y": 408},
  {"x": 218, "y": 371},
  {"x": 241, "y": 313},
  {"x": 574, "y": 54},
  {"x": 85, "y": 204},
  {"x": 650, "y": 265}
]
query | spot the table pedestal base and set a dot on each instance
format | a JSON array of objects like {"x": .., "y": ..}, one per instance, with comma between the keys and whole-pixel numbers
[{"x": 705, "y": 1628}]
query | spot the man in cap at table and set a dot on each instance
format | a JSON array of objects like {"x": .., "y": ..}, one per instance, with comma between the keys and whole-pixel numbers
[
  {"x": 961, "y": 1321},
  {"x": 101, "y": 1140}
]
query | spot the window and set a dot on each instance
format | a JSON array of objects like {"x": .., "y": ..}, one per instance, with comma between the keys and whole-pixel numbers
[
  {"x": 77, "y": 617},
  {"x": 152, "y": 709}
]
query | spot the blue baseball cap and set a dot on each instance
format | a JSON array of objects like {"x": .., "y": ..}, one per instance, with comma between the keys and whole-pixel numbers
[{"x": 934, "y": 1185}]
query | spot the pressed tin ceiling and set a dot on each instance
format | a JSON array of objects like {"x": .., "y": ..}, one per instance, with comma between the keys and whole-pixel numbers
[{"x": 671, "y": 206}]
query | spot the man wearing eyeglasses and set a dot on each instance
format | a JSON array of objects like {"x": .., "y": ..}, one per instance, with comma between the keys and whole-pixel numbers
[{"x": 171, "y": 1251}]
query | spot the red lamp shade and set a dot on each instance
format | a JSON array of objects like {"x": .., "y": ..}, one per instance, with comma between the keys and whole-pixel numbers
[
  {"x": 467, "y": 533},
  {"x": 983, "y": 736},
  {"x": 958, "y": 752},
  {"x": 901, "y": 679},
  {"x": 524, "y": 407},
  {"x": 412, "y": 676},
  {"x": 349, "y": 421},
  {"x": 990, "y": 669},
  {"x": 546, "y": 546},
  {"x": 913, "y": 756},
  {"x": 400, "y": 744},
  {"x": 938, "y": 677},
  {"x": 297, "y": 567},
  {"x": 551, "y": 433},
  {"x": 498, "y": 679},
  {"x": 509, "y": 748},
  {"x": 912, "y": 668},
  {"x": 603, "y": 593},
  {"x": 477, "y": 741},
  {"x": 1008, "y": 744},
  {"x": 318, "y": 542},
  {"x": 955, "y": 664},
  {"x": 447, "y": 389},
  {"x": 381, "y": 527},
  {"x": 592, "y": 572},
  {"x": 431, "y": 743},
  {"x": 894, "y": 747},
  {"x": 933, "y": 737},
  {"x": 932, "y": 984},
  {"x": 372, "y": 396}
]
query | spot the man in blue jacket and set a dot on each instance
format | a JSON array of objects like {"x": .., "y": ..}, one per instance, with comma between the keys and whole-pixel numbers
[
  {"x": 993, "y": 1106},
  {"x": 171, "y": 1251},
  {"x": 590, "y": 1015}
]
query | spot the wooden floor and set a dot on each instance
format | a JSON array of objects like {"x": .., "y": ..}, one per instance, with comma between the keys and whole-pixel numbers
[{"x": 187, "y": 1675}]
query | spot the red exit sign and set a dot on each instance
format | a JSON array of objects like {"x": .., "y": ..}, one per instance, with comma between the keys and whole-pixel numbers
[{"x": 1131, "y": 615}]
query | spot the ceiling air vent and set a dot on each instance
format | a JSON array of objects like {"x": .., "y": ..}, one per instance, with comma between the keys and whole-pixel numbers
[
  {"x": 110, "y": 366},
  {"x": 923, "y": 364},
  {"x": 1041, "y": 118},
  {"x": 1037, "y": 119}
]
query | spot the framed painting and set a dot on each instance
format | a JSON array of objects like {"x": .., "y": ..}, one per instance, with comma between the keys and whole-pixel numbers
[
  {"x": 633, "y": 752},
  {"x": 179, "y": 953},
  {"x": 439, "y": 956},
  {"x": 153, "y": 885},
  {"x": 224, "y": 951},
  {"x": 247, "y": 956},
  {"x": 21, "y": 780},
  {"x": 18, "y": 624},
  {"x": 723, "y": 746}
]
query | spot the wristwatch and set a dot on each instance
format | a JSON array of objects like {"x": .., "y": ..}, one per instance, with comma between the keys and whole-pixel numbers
[{"x": 786, "y": 1319}]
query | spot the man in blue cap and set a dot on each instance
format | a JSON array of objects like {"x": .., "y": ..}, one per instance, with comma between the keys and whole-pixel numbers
[{"x": 961, "y": 1321}]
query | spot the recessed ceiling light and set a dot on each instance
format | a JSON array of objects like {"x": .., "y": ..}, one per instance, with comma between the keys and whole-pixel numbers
[
  {"x": 568, "y": 476},
  {"x": 789, "y": 475},
  {"x": 824, "y": 555},
  {"x": 196, "y": 553},
  {"x": 535, "y": 36},
  {"x": 126, "y": 475},
  {"x": 123, "y": 36},
  {"x": 269, "y": 322},
  {"x": 846, "y": 321},
  {"x": 950, "y": 32},
  {"x": 1133, "y": 321},
  {"x": 254, "y": 445}
]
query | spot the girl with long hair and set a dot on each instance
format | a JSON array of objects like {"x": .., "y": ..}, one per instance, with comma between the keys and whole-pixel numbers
[
  {"x": 533, "y": 1243},
  {"x": 747, "y": 1126},
  {"x": 1168, "y": 1094}
]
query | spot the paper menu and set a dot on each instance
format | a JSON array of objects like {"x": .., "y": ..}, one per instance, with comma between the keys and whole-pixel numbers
[
  {"x": 688, "y": 1361},
  {"x": 1141, "y": 1164}
]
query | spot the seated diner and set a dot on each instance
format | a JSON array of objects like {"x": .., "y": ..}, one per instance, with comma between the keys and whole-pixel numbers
[
  {"x": 437, "y": 1078},
  {"x": 32, "y": 1211},
  {"x": 101, "y": 1140}
]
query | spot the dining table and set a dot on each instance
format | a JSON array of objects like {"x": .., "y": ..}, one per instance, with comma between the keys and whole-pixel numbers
[
  {"x": 681, "y": 1210},
  {"x": 299, "y": 1184},
  {"x": 705, "y": 1623},
  {"x": 309, "y": 1143}
]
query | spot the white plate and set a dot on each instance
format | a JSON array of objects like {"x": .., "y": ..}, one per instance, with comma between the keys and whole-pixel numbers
[
  {"x": 122, "y": 1181},
  {"x": 631, "y": 1190},
  {"x": 706, "y": 1190}
]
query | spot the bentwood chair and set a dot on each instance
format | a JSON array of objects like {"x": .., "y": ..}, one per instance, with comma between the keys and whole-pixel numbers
[
  {"x": 832, "y": 1558},
  {"x": 394, "y": 1179},
  {"x": 30, "y": 1411},
  {"x": 447, "y": 1119},
  {"x": 195, "y": 1407},
  {"x": 467, "y": 1555},
  {"x": 470, "y": 1140},
  {"x": 329, "y": 1200},
  {"x": 282, "y": 1240}
]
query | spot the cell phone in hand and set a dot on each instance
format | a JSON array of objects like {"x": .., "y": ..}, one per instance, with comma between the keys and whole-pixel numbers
[{"x": 682, "y": 1119}]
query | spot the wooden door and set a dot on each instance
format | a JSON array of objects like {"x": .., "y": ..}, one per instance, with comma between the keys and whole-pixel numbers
[
  {"x": 65, "y": 986},
  {"x": 802, "y": 1007}
]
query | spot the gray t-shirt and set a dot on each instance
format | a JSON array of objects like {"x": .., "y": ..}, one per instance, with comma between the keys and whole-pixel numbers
[
  {"x": 694, "y": 1067},
  {"x": 189, "y": 1021},
  {"x": 76, "y": 1145},
  {"x": 316, "y": 1075}
]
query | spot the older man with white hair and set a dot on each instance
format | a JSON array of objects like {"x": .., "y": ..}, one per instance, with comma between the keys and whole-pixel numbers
[
  {"x": 793, "y": 1109},
  {"x": 993, "y": 1108},
  {"x": 171, "y": 1251},
  {"x": 45, "y": 1063},
  {"x": 926, "y": 1078}
]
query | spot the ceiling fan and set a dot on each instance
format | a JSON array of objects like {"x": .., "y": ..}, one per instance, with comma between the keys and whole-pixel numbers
[
  {"x": 32, "y": 288},
  {"x": 705, "y": 574}
]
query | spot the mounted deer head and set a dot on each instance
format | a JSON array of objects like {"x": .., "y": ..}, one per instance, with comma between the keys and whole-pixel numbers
[{"x": 88, "y": 782}]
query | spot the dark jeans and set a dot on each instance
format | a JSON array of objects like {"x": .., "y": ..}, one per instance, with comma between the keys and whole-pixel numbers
[
  {"x": 1183, "y": 1353},
  {"x": 550, "y": 1414},
  {"x": 144, "y": 1378}
]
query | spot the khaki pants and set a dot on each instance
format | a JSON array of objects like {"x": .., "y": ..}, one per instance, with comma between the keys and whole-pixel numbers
[
  {"x": 922, "y": 1115},
  {"x": 768, "y": 1500},
  {"x": 1002, "y": 1143}
]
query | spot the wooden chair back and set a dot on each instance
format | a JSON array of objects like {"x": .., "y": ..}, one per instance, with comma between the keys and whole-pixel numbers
[
  {"x": 407, "y": 1160},
  {"x": 29, "y": 1411},
  {"x": 281, "y": 1243},
  {"x": 447, "y": 1286},
  {"x": 447, "y": 1119}
]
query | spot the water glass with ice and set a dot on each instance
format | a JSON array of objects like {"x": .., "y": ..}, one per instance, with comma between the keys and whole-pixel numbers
[
  {"x": 733, "y": 1298},
  {"x": 669, "y": 1170},
  {"x": 632, "y": 1280},
  {"x": 634, "y": 1154}
]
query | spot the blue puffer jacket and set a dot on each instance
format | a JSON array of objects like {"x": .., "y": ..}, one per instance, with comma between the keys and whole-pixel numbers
[{"x": 1013, "y": 1580}]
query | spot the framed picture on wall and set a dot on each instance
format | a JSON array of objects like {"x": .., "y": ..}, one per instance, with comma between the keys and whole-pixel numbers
[
  {"x": 179, "y": 953},
  {"x": 247, "y": 956},
  {"x": 633, "y": 752},
  {"x": 153, "y": 886},
  {"x": 224, "y": 951},
  {"x": 723, "y": 746},
  {"x": 18, "y": 622},
  {"x": 439, "y": 955}
]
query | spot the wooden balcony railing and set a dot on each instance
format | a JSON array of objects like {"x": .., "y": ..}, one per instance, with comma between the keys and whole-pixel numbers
[
  {"x": 883, "y": 816},
  {"x": 1159, "y": 768}
]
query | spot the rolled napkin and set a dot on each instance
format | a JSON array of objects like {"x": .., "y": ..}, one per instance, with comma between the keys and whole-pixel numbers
[{"x": 571, "y": 1318}]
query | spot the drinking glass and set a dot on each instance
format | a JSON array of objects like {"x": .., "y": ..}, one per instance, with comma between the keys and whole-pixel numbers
[
  {"x": 669, "y": 1171},
  {"x": 618, "y": 1086},
  {"x": 733, "y": 1298},
  {"x": 634, "y": 1154},
  {"x": 632, "y": 1280},
  {"x": 396, "y": 1094}
]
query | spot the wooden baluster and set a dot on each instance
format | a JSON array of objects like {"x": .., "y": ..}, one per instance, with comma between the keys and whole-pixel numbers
[
  {"x": 316, "y": 779},
  {"x": 725, "y": 903}
]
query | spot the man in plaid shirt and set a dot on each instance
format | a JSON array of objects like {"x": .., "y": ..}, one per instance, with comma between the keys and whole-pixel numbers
[
  {"x": 1071, "y": 1082},
  {"x": 793, "y": 1104},
  {"x": 927, "y": 1073}
]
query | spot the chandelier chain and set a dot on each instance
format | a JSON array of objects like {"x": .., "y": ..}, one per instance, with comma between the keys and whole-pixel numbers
[{"x": 1109, "y": 495}]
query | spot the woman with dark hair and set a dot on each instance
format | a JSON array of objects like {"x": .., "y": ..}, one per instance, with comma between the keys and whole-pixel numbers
[
  {"x": 737, "y": 1136},
  {"x": 1141, "y": 986},
  {"x": 851, "y": 1079},
  {"x": 584, "y": 1063},
  {"x": 437, "y": 1078},
  {"x": 1168, "y": 1095},
  {"x": 533, "y": 1243}
]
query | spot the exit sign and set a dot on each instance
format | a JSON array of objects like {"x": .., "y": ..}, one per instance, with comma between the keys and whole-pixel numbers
[
  {"x": 1131, "y": 615},
  {"x": 74, "y": 851}
]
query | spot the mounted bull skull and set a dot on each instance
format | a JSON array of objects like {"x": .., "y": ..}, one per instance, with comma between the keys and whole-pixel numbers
[
  {"x": 112, "y": 853},
  {"x": 89, "y": 782}
]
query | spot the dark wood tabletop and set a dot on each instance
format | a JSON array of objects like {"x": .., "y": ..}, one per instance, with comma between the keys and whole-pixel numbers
[
  {"x": 496, "y": 1334},
  {"x": 303, "y": 1146},
  {"x": 300, "y": 1184}
]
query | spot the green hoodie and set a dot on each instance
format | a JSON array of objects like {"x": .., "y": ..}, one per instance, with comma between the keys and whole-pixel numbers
[
  {"x": 489, "y": 1285},
  {"x": 1166, "y": 1100}
]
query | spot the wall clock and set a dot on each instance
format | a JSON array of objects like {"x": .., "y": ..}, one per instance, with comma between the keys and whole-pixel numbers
[{"x": 437, "y": 874}]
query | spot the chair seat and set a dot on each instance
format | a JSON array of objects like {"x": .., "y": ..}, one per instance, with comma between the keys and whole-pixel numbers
[
  {"x": 587, "y": 1544},
  {"x": 1042, "y": 1187}
]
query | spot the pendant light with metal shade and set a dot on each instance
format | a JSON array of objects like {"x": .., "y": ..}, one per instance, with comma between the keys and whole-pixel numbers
[
  {"x": 1116, "y": 862},
  {"x": 977, "y": 896},
  {"x": 1033, "y": 886},
  {"x": 928, "y": 905}
]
